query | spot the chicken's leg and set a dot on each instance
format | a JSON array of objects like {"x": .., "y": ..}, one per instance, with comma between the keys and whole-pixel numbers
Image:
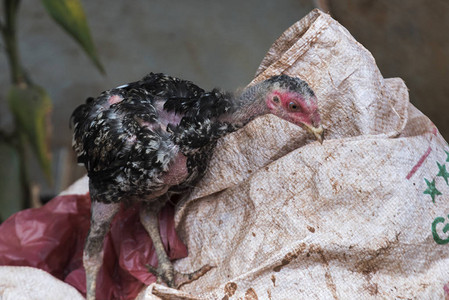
[
  {"x": 164, "y": 271},
  {"x": 101, "y": 217}
]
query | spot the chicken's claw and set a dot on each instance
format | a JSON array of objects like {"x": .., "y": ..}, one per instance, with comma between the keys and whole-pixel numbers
[{"x": 180, "y": 279}]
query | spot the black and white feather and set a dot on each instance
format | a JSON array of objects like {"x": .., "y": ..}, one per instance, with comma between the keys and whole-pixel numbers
[{"x": 129, "y": 136}]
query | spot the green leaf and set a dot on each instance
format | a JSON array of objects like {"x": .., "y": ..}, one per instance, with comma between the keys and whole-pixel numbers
[
  {"x": 69, "y": 14},
  {"x": 31, "y": 108},
  {"x": 11, "y": 191}
]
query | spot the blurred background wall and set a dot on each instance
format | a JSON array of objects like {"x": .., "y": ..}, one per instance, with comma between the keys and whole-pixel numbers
[{"x": 216, "y": 44}]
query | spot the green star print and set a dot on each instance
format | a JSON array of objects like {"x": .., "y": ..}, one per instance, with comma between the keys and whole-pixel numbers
[
  {"x": 431, "y": 189},
  {"x": 443, "y": 172}
]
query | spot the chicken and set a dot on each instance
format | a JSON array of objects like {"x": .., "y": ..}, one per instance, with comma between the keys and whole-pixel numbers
[{"x": 148, "y": 140}]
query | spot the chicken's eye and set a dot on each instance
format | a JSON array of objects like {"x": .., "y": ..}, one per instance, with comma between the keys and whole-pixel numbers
[
  {"x": 276, "y": 99},
  {"x": 292, "y": 106}
]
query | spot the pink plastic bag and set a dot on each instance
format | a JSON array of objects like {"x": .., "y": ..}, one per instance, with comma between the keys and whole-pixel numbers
[{"x": 52, "y": 238}]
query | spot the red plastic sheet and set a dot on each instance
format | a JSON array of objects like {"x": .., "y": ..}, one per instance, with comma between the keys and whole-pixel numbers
[{"x": 52, "y": 238}]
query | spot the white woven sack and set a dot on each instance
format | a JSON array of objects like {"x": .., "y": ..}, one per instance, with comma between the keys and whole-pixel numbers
[{"x": 362, "y": 216}]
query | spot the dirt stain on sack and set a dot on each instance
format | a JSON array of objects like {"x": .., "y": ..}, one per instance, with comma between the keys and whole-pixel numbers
[
  {"x": 335, "y": 185},
  {"x": 269, "y": 294},
  {"x": 229, "y": 290},
  {"x": 251, "y": 294},
  {"x": 330, "y": 283},
  {"x": 289, "y": 257},
  {"x": 273, "y": 279},
  {"x": 312, "y": 251},
  {"x": 315, "y": 249},
  {"x": 285, "y": 261},
  {"x": 372, "y": 288},
  {"x": 377, "y": 259}
]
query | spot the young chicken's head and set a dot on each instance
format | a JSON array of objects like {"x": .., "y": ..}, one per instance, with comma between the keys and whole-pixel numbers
[{"x": 291, "y": 99}]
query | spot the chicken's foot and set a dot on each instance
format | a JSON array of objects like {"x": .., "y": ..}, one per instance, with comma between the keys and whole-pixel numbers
[{"x": 164, "y": 271}]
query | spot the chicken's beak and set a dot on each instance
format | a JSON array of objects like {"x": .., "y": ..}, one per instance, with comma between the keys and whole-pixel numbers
[{"x": 316, "y": 131}]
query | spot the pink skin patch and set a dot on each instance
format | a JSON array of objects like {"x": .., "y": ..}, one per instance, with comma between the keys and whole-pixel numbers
[
  {"x": 178, "y": 171},
  {"x": 166, "y": 117},
  {"x": 114, "y": 99},
  {"x": 131, "y": 139},
  {"x": 307, "y": 112},
  {"x": 151, "y": 126}
]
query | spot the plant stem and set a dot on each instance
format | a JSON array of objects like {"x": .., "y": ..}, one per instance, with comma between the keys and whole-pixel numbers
[
  {"x": 10, "y": 8},
  {"x": 24, "y": 178},
  {"x": 8, "y": 31}
]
